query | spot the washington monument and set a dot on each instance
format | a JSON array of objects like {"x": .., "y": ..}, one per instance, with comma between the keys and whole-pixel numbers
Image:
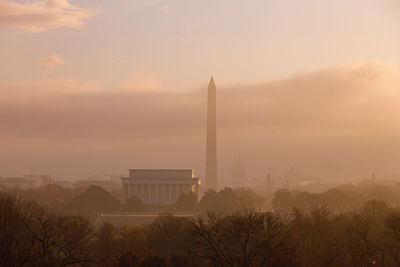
[{"x": 211, "y": 150}]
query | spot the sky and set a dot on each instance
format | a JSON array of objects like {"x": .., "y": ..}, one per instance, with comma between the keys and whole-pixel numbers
[{"x": 102, "y": 86}]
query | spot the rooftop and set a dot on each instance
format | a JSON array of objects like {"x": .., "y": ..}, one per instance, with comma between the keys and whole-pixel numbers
[{"x": 161, "y": 173}]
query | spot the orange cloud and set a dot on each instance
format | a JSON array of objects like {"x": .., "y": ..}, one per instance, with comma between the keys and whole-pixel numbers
[{"x": 41, "y": 16}]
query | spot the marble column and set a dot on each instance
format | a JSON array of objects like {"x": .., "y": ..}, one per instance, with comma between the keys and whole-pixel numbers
[
  {"x": 163, "y": 193},
  {"x": 141, "y": 192},
  {"x": 156, "y": 197},
  {"x": 145, "y": 192},
  {"x": 123, "y": 195},
  {"x": 171, "y": 196},
  {"x": 149, "y": 195},
  {"x": 177, "y": 192},
  {"x": 197, "y": 191}
]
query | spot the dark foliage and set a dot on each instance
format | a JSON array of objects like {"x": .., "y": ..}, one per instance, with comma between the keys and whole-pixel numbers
[
  {"x": 33, "y": 235},
  {"x": 134, "y": 204},
  {"x": 98, "y": 199}
]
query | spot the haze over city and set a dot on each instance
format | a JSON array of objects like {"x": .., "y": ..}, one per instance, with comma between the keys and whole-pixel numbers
[
  {"x": 171, "y": 133},
  {"x": 94, "y": 87}
]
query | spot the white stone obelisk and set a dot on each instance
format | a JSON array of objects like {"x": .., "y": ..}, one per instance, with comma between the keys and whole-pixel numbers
[{"x": 211, "y": 149}]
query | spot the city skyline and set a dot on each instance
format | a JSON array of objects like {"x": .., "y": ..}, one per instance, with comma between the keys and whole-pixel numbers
[{"x": 199, "y": 133}]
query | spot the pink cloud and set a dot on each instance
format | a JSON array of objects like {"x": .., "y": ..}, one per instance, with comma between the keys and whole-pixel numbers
[{"x": 41, "y": 16}]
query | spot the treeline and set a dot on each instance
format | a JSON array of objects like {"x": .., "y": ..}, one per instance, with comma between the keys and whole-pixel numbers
[
  {"x": 343, "y": 198},
  {"x": 88, "y": 202},
  {"x": 225, "y": 200},
  {"x": 31, "y": 235},
  {"x": 93, "y": 200}
]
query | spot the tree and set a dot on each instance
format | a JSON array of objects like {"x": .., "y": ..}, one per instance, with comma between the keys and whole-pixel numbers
[
  {"x": 282, "y": 200},
  {"x": 248, "y": 199},
  {"x": 58, "y": 240},
  {"x": 15, "y": 240},
  {"x": 107, "y": 245},
  {"x": 224, "y": 201},
  {"x": 98, "y": 199},
  {"x": 134, "y": 204},
  {"x": 34, "y": 236},
  {"x": 318, "y": 238},
  {"x": 168, "y": 235},
  {"x": 74, "y": 239},
  {"x": 375, "y": 209},
  {"x": 181, "y": 260},
  {"x": 186, "y": 201},
  {"x": 360, "y": 245},
  {"x": 44, "y": 229},
  {"x": 128, "y": 259},
  {"x": 154, "y": 261},
  {"x": 242, "y": 239}
]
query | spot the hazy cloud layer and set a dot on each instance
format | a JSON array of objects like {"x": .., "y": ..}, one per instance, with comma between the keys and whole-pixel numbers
[
  {"x": 41, "y": 16},
  {"x": 142, "y": 82},
  {"x": 343, "y": 118}
]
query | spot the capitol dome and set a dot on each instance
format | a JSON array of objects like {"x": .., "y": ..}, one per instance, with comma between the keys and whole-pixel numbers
[{"x": 238, "y": 169}]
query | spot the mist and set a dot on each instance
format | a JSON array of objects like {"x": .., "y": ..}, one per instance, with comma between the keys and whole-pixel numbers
[{"x": 338, "y": 122}]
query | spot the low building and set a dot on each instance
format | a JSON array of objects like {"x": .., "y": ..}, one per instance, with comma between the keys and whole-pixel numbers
[
  {"x": 39, "y": 179},
  {"x": 29, "y": 181},
  {"x": 159, "y": 186},
  {"x": 17, "y": 183}
]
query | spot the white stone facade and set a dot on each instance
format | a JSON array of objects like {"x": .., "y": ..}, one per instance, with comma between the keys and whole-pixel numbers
[{"x": 159, "y": 186}]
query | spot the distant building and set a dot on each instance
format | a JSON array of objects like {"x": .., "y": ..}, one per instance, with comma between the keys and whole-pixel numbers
[
  {"x": 39, "y": 179},
  {"x": 373, "y": 177},
  {"x": 105, "y": 177},
  {"x": 159, "y": 186},
  {"x": 292, "y": 179},
  {"x": 17, "y": 183},
  {"x": 28, "y": 181},
  {"x": 239, "y": 174}
]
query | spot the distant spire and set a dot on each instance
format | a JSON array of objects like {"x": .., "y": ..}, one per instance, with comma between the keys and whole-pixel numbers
[
  {"x": 373, "y": 176},
  {"x": 211, "y": 83},
  {"x": 269, "y": 182},
  {"x": 211, "y": 147}
]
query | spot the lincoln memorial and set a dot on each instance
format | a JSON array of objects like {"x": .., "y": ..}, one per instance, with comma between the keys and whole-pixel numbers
[{"x": 159, "y": 186}]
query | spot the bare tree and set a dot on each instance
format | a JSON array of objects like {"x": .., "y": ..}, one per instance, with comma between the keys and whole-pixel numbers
[
  {"x": 15, "y": 242},
  {"x": 242, "y": 239},
  {"x": 392, "y": 236},
  {"x": 43, "y": 228},
  {"x": 75, "y": 234},
  {"x": 107, "y": 245}
]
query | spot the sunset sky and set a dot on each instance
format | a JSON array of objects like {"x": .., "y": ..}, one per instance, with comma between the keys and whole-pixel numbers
[{"x": 101, "y": 86}]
